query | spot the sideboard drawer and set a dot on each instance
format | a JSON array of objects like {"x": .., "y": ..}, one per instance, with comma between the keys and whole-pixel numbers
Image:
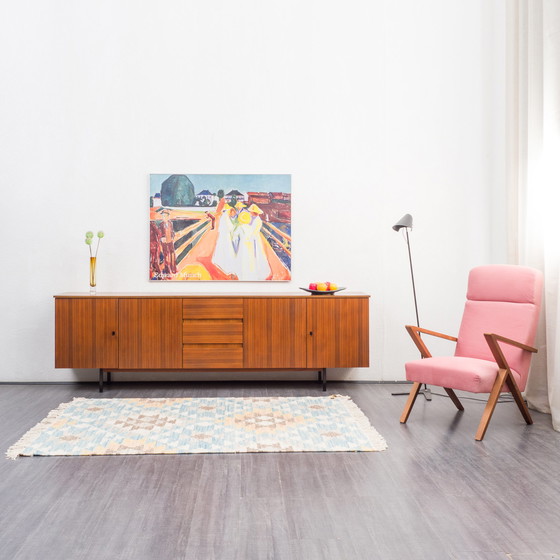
[
  {"x": 213, "y": 331},
  {"x": 210, "y": 356},
  {"x": 213, "y": 308}
]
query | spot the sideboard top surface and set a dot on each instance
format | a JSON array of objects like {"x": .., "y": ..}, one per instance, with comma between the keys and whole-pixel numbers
[{"x": 205, "y": 295}]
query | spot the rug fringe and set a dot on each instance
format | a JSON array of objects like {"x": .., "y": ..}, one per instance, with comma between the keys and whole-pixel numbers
[
  {"x": 375, "y": 438},
  {"x": 29, "y": 437}
]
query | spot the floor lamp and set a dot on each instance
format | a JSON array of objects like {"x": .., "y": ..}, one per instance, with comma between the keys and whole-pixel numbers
[{"x": 406, "y": 223}]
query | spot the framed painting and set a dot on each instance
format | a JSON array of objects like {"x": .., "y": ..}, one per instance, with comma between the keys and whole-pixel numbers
[{"x": 220, "y": 227}]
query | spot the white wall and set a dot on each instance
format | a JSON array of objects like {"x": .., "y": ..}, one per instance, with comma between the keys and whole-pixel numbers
[{"x": 376, "y": 108}]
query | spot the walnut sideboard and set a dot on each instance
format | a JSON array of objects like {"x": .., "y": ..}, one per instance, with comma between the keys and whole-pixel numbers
[{"x": 211, "y": 332}]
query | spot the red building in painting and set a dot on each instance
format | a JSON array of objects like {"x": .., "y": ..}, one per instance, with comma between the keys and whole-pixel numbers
[{"x": 277, "y": 206}]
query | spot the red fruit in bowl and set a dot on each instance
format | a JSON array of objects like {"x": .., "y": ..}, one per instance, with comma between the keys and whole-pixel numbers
[
  {"x": 328, "y": 285},
  {"x": 313, "y": 286}
]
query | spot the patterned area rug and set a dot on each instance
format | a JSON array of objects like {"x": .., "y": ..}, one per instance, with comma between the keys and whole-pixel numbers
[{"x": 200, "y": 425}]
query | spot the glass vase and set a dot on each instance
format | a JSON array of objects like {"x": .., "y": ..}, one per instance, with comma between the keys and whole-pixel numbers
[{"x": 92, "y": 277}]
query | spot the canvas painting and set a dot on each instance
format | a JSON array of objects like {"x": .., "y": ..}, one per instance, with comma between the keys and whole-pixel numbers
[{"x": 220, "y": 227}]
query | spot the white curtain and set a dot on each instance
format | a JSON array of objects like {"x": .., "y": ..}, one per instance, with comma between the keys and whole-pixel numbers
[{"x": 533, "y": 102}]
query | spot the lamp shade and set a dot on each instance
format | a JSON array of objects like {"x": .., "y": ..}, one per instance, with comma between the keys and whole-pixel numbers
[{"x": 405, "y": 221}]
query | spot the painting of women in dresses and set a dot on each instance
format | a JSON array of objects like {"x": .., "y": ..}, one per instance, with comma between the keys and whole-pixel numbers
[{"x": 220, "y": 227}]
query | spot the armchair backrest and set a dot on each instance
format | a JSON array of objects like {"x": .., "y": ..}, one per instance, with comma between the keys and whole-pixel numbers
[{"x": 505, "y": 300}]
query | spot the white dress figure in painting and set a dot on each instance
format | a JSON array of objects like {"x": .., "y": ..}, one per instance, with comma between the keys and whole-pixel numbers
[
  {"x": 253, "y": 264},
  {"x": 225, "y": 255}
]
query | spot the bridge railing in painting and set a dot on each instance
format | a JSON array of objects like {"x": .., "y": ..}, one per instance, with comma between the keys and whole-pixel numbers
[
  {"x": 282, "y": 239},
  {"x": 188, "y": 237}
]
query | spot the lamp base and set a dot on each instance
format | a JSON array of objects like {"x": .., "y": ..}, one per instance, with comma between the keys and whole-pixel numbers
[{"x": 426, "y": 391}]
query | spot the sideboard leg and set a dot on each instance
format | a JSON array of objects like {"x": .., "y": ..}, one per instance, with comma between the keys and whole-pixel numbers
[
  {"x": 108, "y": 377},
  {"x": 324, "y": 376},
  {"x": 101, "y": 381},
  {"x": 320, "y": 375}
]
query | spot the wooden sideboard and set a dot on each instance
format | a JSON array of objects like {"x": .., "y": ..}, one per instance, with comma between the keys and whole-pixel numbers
[{"x": 211, "y": 332}]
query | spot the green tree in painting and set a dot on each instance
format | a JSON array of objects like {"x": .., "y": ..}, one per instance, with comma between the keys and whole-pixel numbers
[{"x": 177, "y": 190}]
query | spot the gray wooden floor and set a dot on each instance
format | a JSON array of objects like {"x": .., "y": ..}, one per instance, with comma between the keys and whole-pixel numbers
[{"x": 434, "y": 494}]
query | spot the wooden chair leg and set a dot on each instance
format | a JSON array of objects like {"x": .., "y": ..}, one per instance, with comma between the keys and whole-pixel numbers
[
  {"x": 454, "y": 398},
  {"x": 518, "y": 397},
  {"x": 410, "y": 402},
  {"x": 491, "y": 404}
]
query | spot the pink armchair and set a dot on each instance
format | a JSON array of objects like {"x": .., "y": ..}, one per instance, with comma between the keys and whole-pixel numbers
[{"x": 494, "y": 346}]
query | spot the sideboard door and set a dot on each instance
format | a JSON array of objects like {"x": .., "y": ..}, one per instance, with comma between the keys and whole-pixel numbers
[
  {"x": 150, "y": 333},
  {"x": 275, "y": 333},
  {"x": 338, "y": 332},
  {"x": 86, "y": 333}
]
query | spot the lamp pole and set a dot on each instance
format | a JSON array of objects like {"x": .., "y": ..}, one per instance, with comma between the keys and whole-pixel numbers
[
  {"x": 406, "y": 223},
  {"x": 412, "y": 276}
]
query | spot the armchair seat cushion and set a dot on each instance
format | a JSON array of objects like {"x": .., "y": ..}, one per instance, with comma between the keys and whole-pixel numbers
[{"x": 455, "y": 372}]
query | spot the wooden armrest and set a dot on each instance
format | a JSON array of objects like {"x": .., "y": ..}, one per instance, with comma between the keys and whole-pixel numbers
[
  {"x": 493, "y": 339},
  {"x": 414, "y": 332},
  {"x": 412, "y": 328},
  {"x": 511, "y": 342}
]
